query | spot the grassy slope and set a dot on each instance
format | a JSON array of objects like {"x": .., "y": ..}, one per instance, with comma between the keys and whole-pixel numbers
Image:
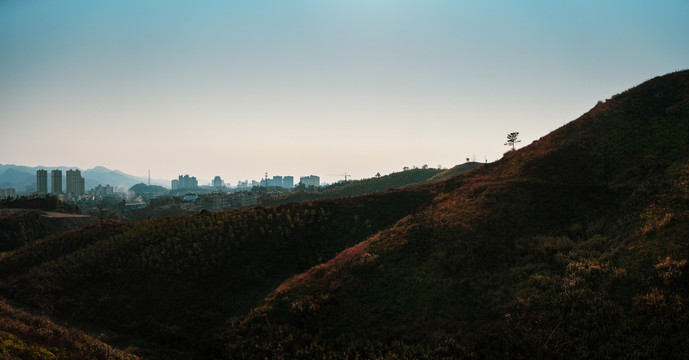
[
  {"x": 575, "y": 246},
  {"x": 360, "y": 187},
  {"x": 26, "y": 336},
  {"x": 455, "y": 171},
  {"x": 167, "y": 284}
]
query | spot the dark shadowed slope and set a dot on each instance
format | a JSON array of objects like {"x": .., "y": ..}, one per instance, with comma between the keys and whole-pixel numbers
[
  {"x": 167, "y": 285},
  {"x": 573, "y": 247},
  {"x": 26, "y": 336}
]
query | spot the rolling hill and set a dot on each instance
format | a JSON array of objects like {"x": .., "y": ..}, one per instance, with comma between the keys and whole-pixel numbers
[
  {"x": 17, "y": 178},
  {"x": 455, "y": 171},
  {"x": 391, "y": 181},
  {"x": 575, "y": 246},
  {"x": 26, "y": 336},
  {"x": 171, "y": 283}
]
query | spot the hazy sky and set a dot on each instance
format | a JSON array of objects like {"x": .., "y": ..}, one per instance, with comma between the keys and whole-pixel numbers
[{"x": 238, "y": 88}]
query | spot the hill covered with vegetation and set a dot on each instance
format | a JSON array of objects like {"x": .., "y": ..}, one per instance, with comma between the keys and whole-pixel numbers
[
  {"x": 395, "y": 180},
  {"x": 20, "y": 219},
  {"x": 455, "y": 171},
  {"x": 169, "y": 284},
  {"x": 26, "y": 336},
  {"x": 575, "y": 246},
  {"x": 143, "y": 189}
]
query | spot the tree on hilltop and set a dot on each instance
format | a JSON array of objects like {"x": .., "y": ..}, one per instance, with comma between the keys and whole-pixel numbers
[{"x": 512, "y": 139}]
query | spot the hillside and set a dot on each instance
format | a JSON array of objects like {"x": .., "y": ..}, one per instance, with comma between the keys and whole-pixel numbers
[
  {"x": 103, "y": 176},
  {"x": 167, "y": 285},
  {"x": 16, "y": 178},
  {"x": 394, "y": 180},
  {"x": 143, "y": 189},
  {"x": 26, "y": 336},
  {"x": 455, "y": 171},
  {"x": 575, "y": 246},
  {"x": 24, "y": 220}
]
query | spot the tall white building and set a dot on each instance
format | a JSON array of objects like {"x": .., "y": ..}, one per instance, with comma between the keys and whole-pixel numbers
[
  {"x": 311, "y": 180},
  {"x": 75, "y": 182},
  {"x": 56, "y": 182}
]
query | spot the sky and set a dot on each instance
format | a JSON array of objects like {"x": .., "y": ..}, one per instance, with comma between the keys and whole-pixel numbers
[{"x": 241, "y": 88}]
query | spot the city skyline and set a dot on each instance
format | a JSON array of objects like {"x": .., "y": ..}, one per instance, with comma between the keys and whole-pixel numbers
[
  {"x": 243, "y": 88},
  {"x": 40, "y": 183}
]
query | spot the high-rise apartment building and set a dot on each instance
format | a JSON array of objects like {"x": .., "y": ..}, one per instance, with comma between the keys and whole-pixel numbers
[
  {"x": 276, "y": 181},
  {"x": 42, "y": 181},
  {"x": 288, "y": 182},
  {"x": 217, "y": 182},
  {"x": 56, "y": 182},
  {"x": 311, "y": 180},
  {"x": 75, "y": 183},
  {"x": 187, "y": 181}
]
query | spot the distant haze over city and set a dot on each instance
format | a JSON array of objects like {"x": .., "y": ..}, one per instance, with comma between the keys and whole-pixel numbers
[{"x": 237, "y": 89}]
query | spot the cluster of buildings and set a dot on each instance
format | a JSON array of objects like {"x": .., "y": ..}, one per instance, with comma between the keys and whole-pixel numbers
[
  {"x": 102, "y": 191},
  {"x": 74, "y": 182},
  {"x": 245, "y": 184},
  {"x": 185, "y": 181},
  {"x": 286, "y": 182}
]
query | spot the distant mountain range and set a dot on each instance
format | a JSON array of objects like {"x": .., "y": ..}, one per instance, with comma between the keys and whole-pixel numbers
[{"x": 19, "y": 177}]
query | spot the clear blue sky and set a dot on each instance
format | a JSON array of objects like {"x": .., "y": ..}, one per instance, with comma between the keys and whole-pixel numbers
[{"x": 238, "y": 88}]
